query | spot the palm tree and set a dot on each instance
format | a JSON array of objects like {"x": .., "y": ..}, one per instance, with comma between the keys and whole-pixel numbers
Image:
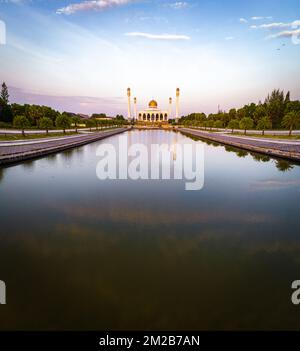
[
  {"x": 263, "y": 124},
  {"x": 291, "y": 120}
]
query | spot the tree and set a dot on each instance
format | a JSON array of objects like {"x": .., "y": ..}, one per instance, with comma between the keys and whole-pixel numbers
[
  {"x": 284, "y": 166},
  {"x": 46, "y": 123},
  {"x": 34, "y": 113},
  {"x": 275, "y": 104},
  {"x": 246, "y": 123},
  {"x": 4, "y": 96},
  {"x": 233, "y": 124},
  {"x": 210, "y": 124},
  {"x": 5, "y": 109},
  {"x": 21, "y": 122},
  {"x": 292, "y": 106},
  {"x": 18, "y": 110},
  {"x": 232, "y": 113},
  {"x": 63, "y": 121},
  {"x": 263, "y": 124},
  {"x": 6, "y": 114},
  {"x": 259, "y": 113},
  {"x": 76, "y": 120},
  {"x": 90, "y": 123},
  {"x": 218, "y": 124},
  {"x": 249, "y": 110},
  {"x": 50, "y": 113},
  {"x": 241, "y": 113},
  {"x": 291, "y": 120},
  {"x": 287, "y": 98}
]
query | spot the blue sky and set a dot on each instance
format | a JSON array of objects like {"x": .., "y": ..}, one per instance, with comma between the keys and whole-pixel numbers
[{"x": 82, "y": 55}]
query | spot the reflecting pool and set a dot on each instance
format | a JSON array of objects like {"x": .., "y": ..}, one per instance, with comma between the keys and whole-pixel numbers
[{"x": 80, "y": 253}]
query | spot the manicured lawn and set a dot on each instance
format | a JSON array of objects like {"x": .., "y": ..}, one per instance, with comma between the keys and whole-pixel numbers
[
  {"x": 32, "y": 136},
  {"x": 268, "y": 136}
]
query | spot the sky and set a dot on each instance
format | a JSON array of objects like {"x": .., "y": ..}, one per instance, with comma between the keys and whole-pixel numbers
[{"x": 80, "y": 56}]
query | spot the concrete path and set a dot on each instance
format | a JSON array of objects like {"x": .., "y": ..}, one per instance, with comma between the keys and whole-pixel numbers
[
  {"x": 287, "y": 149},
  {"x": 15, "y": 152},
  {"x": 267, "y": 140}
]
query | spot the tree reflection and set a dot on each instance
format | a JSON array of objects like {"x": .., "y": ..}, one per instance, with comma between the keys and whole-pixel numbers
[
  {"x": 284, "y": 165},
  {"x": 28, "y": 165},
  {"x": 242, "y": 153},
  {"x": 1, "y": 174},
  {"x": 260, "y": 157},
  {"x": 52, "y": 158}
]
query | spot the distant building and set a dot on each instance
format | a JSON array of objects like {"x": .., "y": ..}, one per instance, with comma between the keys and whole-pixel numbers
[
  {"x": 104, "y": 118},
  {"x": 82, "y": 116},
  {"x": 152, "y": 114}
]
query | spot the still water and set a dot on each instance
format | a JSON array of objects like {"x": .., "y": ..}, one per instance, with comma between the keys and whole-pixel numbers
[{"x": 80, "y": 253}]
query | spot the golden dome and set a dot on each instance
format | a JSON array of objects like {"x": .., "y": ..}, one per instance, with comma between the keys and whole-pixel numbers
[{"x": 152, "y": 104}]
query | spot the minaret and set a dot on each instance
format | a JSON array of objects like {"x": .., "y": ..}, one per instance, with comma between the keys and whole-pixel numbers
[
  {"x": 177, "y": 104},
  {"x": 170, "y": 108},
  {"x": 129, "y": 103},
  {"x": 135, "y": 113}
]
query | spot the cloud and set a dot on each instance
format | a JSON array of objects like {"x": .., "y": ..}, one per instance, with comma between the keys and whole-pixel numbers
[
  {"x": 179, "y": 5},
  {"x": 285, "y": 34},
  {"x": 275, "y": 184},
  {"x": 15, "y": 1},
  {"x": 77, "y": 104},
  {"x": 277, "y": 25},
  {"x": 171, "y": 37},
  {"x": 229, "y": 38},
  {"x": 91, "y": 5},
  {"x": 243, "y": 20},
  {"x": 259, "y": 18}
]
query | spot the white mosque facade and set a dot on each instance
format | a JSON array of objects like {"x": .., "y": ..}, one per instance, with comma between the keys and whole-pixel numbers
[{"x": 152, "y": 114}]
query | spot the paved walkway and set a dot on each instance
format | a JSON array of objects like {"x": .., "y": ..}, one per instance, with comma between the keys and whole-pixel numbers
[
  {"x": 20, "y": 151},
  {"x": 267, "y": 140},
  {"x": 288, "y": 149},
  {"x": 255, "y": 131},
  {"x": 40, "y": 131}
]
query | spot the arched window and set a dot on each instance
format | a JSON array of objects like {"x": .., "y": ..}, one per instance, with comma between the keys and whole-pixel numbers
[
  {"x": 144, "y": 117},
  {"x": 166, "y": 117},
  {"x": 161, "y": 117},
  {"x": 157, "y": 117},
  {"x": 152, "y": 117},
  {"x": 148, "y": 117}
]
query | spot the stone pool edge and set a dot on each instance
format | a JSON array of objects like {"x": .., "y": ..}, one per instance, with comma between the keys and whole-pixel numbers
[
  {"x": 292, "y": 156},
  {"x": 24, "y": 156}
]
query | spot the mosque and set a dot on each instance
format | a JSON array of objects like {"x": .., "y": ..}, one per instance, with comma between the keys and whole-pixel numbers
[{"x": 152, "y": 114}]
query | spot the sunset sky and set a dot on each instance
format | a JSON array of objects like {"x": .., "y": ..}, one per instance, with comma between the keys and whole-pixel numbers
[{"x": 81, "y": 56}]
